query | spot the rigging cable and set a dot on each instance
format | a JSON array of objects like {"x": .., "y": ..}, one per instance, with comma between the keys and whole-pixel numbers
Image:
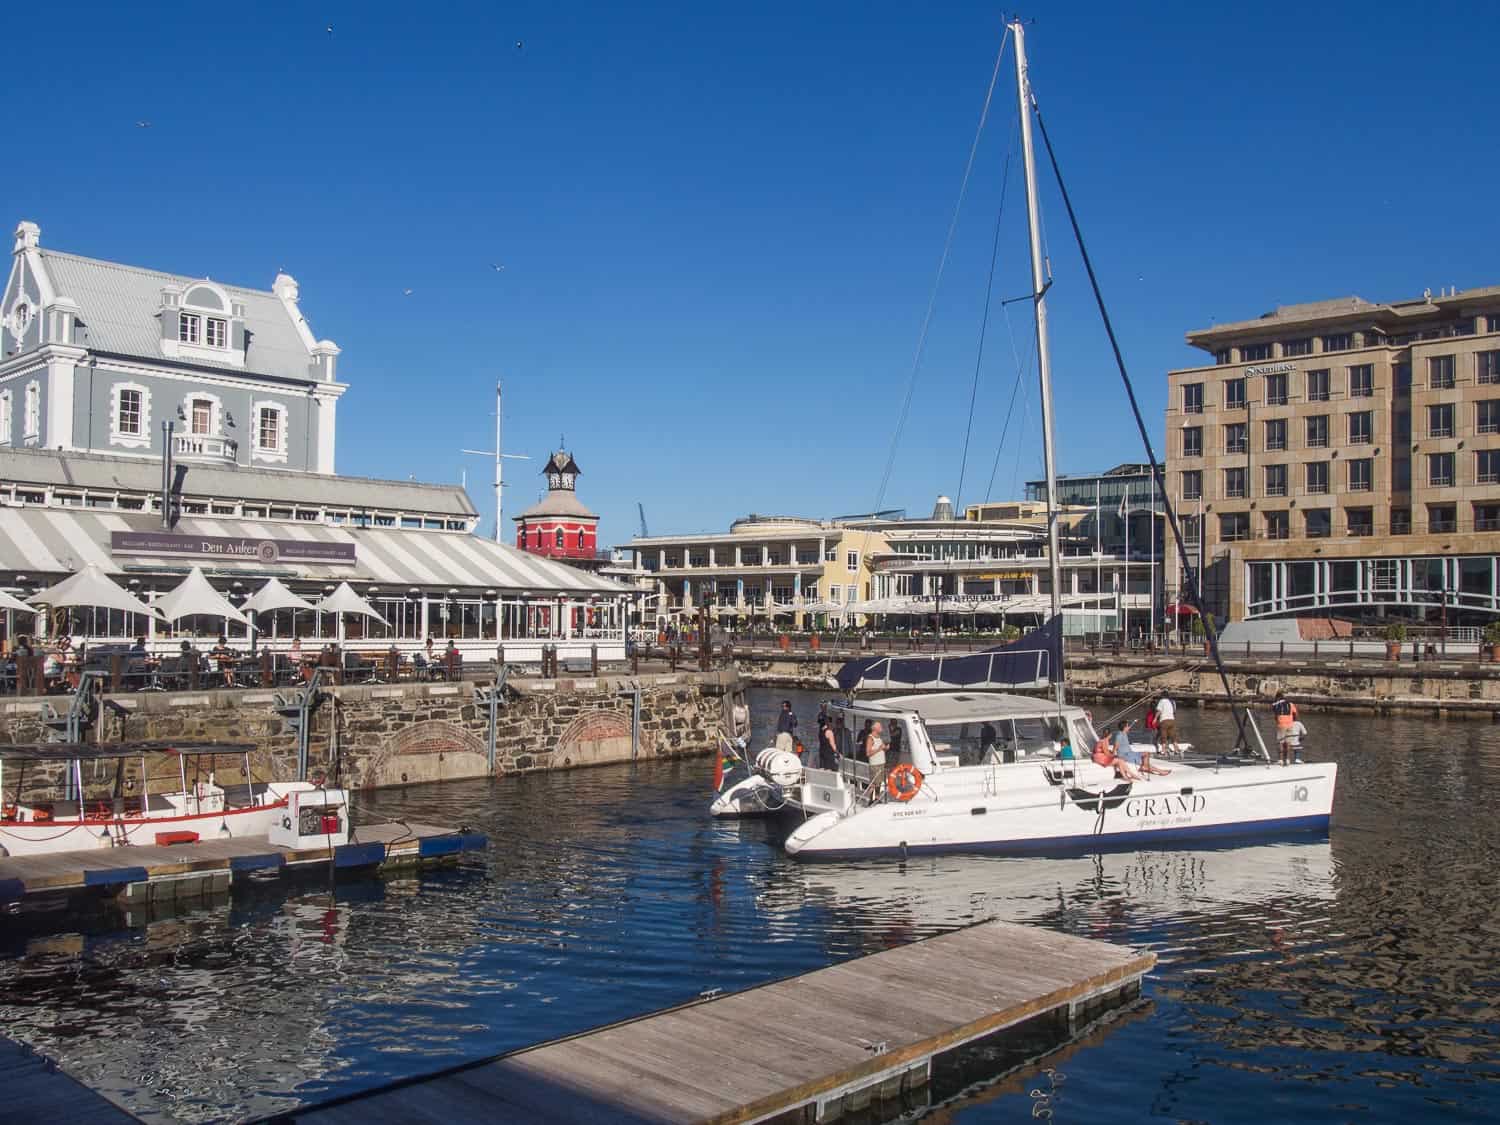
[
  {"x": 916, "y": 362},
  {"x": 1191, "y": 580},
  {"x": 984, "y": 323},
  {"x": 1020, "y": 385}
]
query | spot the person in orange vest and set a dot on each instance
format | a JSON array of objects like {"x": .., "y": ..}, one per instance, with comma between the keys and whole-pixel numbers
[{"x": 1286, "y": 715}]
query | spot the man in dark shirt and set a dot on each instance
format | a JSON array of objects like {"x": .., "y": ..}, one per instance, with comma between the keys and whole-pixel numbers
[{"x": 786, "y": 727}]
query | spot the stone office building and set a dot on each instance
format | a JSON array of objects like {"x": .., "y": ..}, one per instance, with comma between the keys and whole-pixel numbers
[{"x": 1344, "y": 457}]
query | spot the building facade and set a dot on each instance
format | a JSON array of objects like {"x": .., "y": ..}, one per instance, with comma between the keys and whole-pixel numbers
[
  {"x": 1343, "y": 456},
  {"x": 558, "y": 526},
  {"x": 95, "y": 356}
]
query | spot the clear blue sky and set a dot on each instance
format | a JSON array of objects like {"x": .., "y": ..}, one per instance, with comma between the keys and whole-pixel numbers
[{"x": 719, "y": 223}]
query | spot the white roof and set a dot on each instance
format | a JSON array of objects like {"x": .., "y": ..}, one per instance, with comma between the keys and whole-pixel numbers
[
  {"x": 954, "y": 708},
  {"x": 90, "y": 587},
  {"x": 47, "y": 541},
  {"x": 9, "y": 602},
  {"x": 192, "y": 596},
  {"x": 273, "y": 595},
  {"x": 345, "y": 600}
]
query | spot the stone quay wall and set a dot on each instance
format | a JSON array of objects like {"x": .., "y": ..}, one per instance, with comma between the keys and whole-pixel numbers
[{"x": 401, "y": 734}]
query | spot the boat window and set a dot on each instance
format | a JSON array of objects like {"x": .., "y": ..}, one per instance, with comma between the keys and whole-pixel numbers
[
  {"x": 1083, "y": 737},
  {"x": 1035, "y": 735}
]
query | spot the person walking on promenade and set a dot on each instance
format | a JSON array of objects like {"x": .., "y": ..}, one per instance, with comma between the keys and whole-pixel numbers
[{"x": 786, "y": 727}]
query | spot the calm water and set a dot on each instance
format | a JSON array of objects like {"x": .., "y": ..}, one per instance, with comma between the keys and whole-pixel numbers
[{"x": 1352, "y": 979}]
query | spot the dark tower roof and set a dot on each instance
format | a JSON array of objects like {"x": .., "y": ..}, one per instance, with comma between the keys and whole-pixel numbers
[{"x": 561, "y": 462}]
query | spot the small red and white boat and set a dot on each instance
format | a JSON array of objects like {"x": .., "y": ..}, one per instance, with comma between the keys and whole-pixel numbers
[{"x": 68, "y": 797}]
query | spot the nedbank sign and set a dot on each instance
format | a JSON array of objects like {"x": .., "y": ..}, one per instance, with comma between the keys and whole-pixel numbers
[
  {"x": 231, "y": 548},
  {"x": 1271, "y": 369}
]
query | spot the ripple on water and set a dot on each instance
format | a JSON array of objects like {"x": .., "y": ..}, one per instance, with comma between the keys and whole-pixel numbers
[{"x": 1297, "y": 981}]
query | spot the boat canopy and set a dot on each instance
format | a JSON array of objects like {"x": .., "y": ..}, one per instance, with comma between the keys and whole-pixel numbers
[
  {"x": 89, "y": 752},
  {"x": 1029, "y": 662},
  {"x": 952, "y": 709}
]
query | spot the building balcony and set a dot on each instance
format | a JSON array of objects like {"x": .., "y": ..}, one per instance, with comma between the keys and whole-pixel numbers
[{"x": 202, "y": 447}]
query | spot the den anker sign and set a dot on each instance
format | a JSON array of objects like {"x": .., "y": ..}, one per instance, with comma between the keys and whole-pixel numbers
[{"x": 268, "y": 552}]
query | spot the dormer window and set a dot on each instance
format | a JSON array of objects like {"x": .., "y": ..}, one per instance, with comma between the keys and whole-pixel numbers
[
  {"x": 216, "y": 332},
  {"x": 202, "y": 322},
  {"x": 190, "y": 328}
]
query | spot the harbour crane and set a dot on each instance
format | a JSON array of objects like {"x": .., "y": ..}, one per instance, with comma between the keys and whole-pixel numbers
[{"x": 645, "y": 531}]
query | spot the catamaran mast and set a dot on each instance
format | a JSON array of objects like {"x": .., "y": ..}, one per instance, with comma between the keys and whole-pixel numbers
[{"x": 1043, "y": 348}]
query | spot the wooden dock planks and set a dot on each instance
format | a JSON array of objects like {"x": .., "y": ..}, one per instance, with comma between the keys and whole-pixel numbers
[
  {"x": 24, "y": 876},
  {"x": 768, "y": 1050},
  {"x": 36, "y": 1090}
]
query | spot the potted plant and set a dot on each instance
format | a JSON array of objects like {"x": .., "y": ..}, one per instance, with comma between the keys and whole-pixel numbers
[
  {"x": 1492, "y": 638},
  {"x": 1395, "y": 635}
]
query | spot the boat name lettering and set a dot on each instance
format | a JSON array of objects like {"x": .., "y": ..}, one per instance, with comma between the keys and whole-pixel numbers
[
  {"x": 910, "y": 812},
  {"x": 1299, "y": 793},
  {"x": 1165, "y": 805}
]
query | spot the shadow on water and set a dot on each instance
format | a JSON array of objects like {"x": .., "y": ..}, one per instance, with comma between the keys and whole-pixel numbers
[{"x": 1297, "y": 981}]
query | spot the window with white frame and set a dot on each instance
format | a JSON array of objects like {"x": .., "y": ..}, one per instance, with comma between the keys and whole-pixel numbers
[
  {"x": 33, "y": 415},
  {"x": 270, "y": 430},
  {"x": 849, "y": 593},
  {"x": 6, "y": 420},
  {"x": 216, "y": 332},
  {"x": 189, "y": 328},
  {"x": 130, "y": 415},
  {"x": 851, "y": 561}
]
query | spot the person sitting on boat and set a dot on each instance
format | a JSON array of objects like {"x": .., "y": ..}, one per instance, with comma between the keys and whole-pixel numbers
[
  {"x": 1065, "y": 748},
  {"x": 1127, "y": 758}
]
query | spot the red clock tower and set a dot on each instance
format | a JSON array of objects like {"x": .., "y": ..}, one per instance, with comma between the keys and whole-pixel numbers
[{"x": 559, "y": 526}]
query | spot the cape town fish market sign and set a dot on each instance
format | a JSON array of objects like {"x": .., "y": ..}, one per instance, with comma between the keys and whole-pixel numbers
[{"x": 267, "y": 552}]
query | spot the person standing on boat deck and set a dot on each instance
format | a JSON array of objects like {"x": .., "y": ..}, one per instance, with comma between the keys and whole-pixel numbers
[
  {"x": 987, "y": 738},
  {"x": 875, "y": 754},
  {"x": 862, "y": 742},
  {"x": 786, "y": 727},
  {"x": 828, "y": 745},
  {"x": 1166, "y": 725},
  {"x": 1290, "y": 742}
]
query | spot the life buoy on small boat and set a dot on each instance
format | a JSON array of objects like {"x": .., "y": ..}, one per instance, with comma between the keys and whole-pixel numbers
[{"x": 903, "y": 782}]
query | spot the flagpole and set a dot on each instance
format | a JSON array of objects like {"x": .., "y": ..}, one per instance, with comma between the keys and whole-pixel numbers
[
  {"x": 1124, "y": 619},
  {"x": 1098, "y": 552}
]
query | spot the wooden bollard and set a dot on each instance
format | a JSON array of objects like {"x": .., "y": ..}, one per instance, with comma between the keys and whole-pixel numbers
[
  {"x": 193, "y": 663},
  {"x": 593, "y": 660},
  {"x": 267, "y": 668},
  {"x": 393, "y": 663},
  {"x": 116, "y": 671},
  {"x": 451, "y": 658}
]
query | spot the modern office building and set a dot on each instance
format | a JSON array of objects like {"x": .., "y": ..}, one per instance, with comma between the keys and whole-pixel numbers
[{"x": 1343, "y": 456}]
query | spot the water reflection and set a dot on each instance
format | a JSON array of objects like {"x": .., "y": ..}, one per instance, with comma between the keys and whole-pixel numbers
[{"x": 1299, "y": 981}]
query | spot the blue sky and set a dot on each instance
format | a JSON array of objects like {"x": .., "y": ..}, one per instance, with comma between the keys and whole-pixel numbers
[{"x": 720, "y": 223}]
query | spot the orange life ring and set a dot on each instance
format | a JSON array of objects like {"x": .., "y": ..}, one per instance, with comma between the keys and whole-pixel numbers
[{"x": 903, "y": 782}]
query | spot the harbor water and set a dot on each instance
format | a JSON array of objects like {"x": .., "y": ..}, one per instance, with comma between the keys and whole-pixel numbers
[{"x": 1352, "y": 978}]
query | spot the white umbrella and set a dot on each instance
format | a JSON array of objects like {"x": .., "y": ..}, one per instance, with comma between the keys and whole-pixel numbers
[
  {"x": 273, "y": 595},
  {"x": 193, "y": 596},
  {"x": 818, "y": 606},
  {"x": 8, "y": 602},
  {"x": 345, "y": 600},
  {"x": 90, "y": 587}
]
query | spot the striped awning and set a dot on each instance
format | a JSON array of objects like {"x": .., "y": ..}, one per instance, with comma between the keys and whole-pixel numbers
[{"x": 52, "y": 541}]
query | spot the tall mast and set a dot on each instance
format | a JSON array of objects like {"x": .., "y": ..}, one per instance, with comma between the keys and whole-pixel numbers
[
  {"x": 498, "y": 458},
  {"x": 1043, "y": 348}
]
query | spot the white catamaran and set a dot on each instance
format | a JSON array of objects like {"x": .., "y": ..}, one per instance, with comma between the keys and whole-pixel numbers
[{"x": 976, "y": 770}]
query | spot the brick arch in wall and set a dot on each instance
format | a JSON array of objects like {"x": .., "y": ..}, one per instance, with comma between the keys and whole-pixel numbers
[
  {"x": 432, "y": 750},
  {"x": 598, "y": 736}
]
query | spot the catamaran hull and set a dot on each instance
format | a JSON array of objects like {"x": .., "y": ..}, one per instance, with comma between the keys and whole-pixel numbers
[{"x": 1248, "y": 801}]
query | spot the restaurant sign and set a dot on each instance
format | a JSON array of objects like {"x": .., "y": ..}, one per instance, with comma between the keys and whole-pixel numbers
[{"x": 268, "y": 552}]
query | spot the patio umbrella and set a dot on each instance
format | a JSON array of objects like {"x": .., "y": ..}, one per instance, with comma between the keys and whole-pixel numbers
[
  {"x": 345, "y": 600},
  {"x": 90, "y": 587},
  {"x": 273, "y": 595},
  {"x": 8, "y": 602},
  {"x": 193, "y": 596}
]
